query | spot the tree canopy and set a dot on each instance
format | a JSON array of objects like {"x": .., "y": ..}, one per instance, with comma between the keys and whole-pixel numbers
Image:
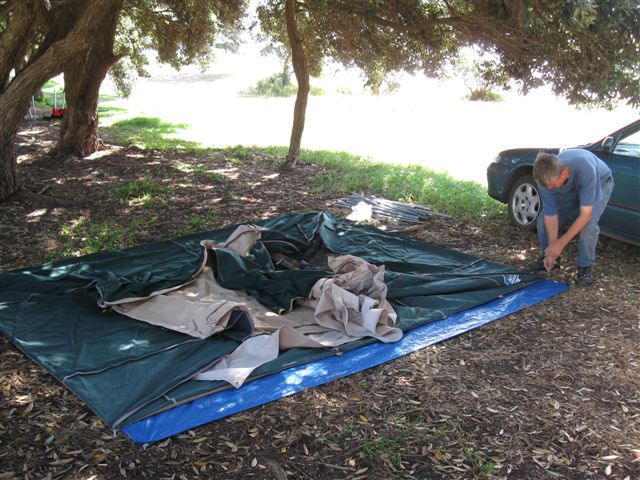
[
  {"x": 83, "y": 39},
  {"x": 587, "y": 51},
  {"x": 180, "y": 32}
]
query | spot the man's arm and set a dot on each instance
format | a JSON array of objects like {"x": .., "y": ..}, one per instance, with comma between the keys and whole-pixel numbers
[
  {"x": 551, "y": 227},
  {"x": 551, "y": 223},
  {"x": 557, "y": 245}
]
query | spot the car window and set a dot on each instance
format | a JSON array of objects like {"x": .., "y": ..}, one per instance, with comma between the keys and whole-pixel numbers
[{"x": 629, "y": 146}]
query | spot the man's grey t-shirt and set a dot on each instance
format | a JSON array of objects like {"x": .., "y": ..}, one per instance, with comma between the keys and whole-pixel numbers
[{"x": 587, "y": 173}]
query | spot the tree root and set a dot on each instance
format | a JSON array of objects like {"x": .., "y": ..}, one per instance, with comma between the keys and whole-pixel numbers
[{"x": 40, "y": 199}]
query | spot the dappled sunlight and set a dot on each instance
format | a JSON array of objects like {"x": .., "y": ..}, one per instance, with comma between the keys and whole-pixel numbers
[
  {"x": 82, "y": 236},
  {"x": 36, "y": 215},
  {"x": 140, "y": 201},
  {"x": 183, "y": 167},
  {"x": 250, "y": 199},
  {"x": 520, "y": 255},
  {"x": 226, "y": 170},
  {"x": 22, "y": 400},
  {"x": 32, "y": 131},
  {"x": 104, "y": 153},
  {"x": 270, "y": 212},
  {"x": 232, "y": 173},
  {"x": 133, "y": 344},
  {"x": 297, "y": 376},
  {"x": 24, "y": 158},
  {"x": 230, "y": 407},
  {"x": 51, "y": 272},
  {"x": 34, "y": 141}
]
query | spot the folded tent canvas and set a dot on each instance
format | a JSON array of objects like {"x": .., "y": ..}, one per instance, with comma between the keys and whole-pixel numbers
[{"x": 131, "y": 372}]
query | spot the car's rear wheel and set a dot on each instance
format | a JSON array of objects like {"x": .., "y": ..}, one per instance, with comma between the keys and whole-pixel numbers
[{"x": 524, "y": 202}]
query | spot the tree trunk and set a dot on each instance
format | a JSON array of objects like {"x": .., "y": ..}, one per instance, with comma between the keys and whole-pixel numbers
[
  {"x": 64, "y": 45},
  {"x": 82, "y": 79},
  {"x": 301, "y": 70},
  {"x": 14, "y": 104},
  {"x": 16, "y": 37},
  {"x": 9, "y": 181}
]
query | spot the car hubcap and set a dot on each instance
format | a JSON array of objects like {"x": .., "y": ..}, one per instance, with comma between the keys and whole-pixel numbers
[{"x": 526, "y": 204}]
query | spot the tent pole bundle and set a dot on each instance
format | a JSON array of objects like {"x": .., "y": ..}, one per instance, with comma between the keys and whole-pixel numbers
[{"x": 397, "y": 211}]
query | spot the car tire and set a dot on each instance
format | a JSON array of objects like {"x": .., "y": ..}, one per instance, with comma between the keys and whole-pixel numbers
[{"x": 524, "y": 202}]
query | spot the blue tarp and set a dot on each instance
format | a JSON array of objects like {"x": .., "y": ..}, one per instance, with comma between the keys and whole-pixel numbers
[{"x": 282, "y": 384}]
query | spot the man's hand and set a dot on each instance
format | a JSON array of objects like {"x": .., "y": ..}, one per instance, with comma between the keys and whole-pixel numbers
[
  {"x": 549, "y": 262},
  {"x": 553, "y": 251}
]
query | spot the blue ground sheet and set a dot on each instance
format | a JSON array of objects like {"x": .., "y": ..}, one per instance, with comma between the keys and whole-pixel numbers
[{"x": 288, "y": 382}]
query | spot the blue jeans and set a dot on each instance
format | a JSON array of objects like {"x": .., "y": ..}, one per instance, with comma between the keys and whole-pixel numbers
[{"x": 568, "y": 211}]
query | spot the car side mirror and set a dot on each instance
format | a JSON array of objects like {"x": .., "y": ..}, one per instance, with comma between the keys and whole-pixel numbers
[{"x": 607, "y": 144}]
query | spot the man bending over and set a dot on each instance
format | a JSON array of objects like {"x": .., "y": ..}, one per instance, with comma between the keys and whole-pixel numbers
[{"x": 575, "y": 187}]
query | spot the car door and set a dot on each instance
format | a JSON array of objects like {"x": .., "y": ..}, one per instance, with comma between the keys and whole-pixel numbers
[{"x": 621, "y": 218}]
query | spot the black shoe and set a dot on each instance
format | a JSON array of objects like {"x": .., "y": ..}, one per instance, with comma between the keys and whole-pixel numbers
[
  {"x": 538, "y": 265},
  {"x": 584, "y": 278}
]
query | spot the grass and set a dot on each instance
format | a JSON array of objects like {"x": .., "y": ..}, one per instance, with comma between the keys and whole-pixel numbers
[
  {"x": 200, "y": 170},
  {"x": 105, "y": 97},
  {"x": 52, "y": 84},
  {"x": 385, "y": 448},
  {"x": 488, "y": 468},
  {"x": 49, "y": 98},
  {"x": 81, "y": 237},
  {"x": 197, "y": 222},
  {"x": 53, "y": 92},
  {"x": 107, "y": 111},
  {"x": 148, "y": 132},
  {"x": 345, "y": 173},
  {"x": 138, "y": 193},
  {"x": 344, "y": 432}
]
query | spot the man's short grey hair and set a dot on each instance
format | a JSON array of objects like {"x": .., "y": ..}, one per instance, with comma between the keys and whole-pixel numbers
[{"x": 547, "y": 167}]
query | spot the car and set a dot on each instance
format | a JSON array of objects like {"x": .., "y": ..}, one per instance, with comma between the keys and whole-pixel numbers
[{"x": 510, "y": 180}]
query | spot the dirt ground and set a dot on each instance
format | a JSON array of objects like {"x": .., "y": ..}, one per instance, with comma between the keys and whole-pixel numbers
[{"x": 550, "y": 392}]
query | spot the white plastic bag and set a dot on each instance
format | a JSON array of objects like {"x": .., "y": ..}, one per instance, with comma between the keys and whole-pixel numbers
[{"x": 362, "y": 212}]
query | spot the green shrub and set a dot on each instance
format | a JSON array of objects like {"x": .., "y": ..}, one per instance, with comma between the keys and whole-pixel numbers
[
  {"x": 279, "y": 85},
  {"x": 484, "y": 95}
]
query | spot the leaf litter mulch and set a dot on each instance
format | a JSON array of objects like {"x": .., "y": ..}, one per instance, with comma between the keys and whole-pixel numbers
[{"x": 550, "y": 392}]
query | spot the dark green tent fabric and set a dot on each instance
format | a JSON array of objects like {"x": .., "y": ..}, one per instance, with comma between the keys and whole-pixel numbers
[{"x": 125, "y": 370}]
